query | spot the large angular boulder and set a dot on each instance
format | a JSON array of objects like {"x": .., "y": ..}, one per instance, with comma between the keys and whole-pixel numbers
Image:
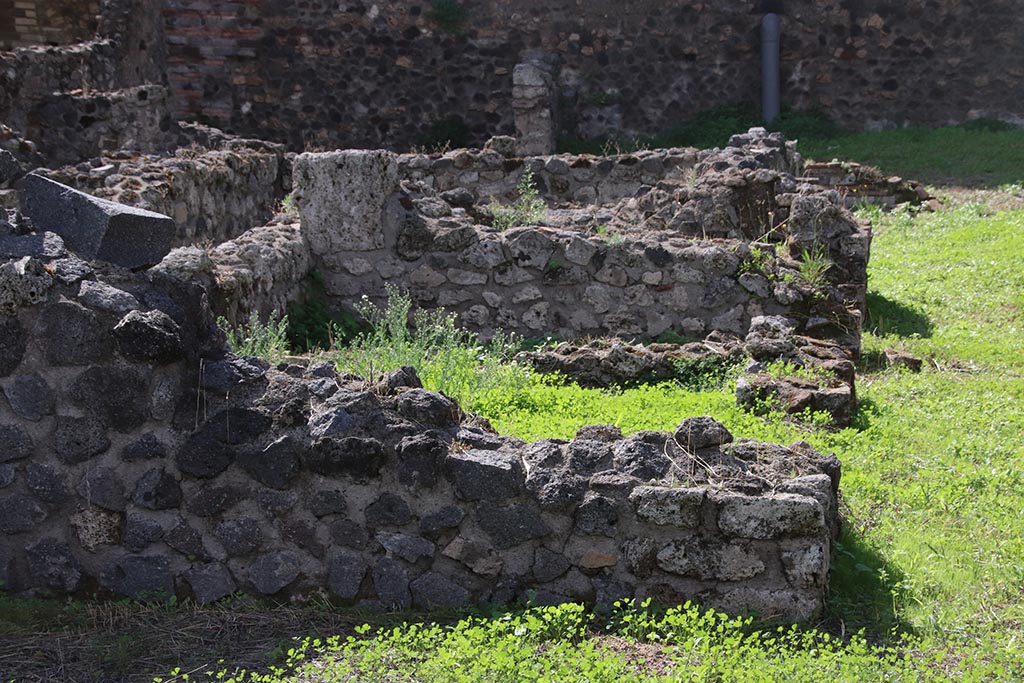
[{"x": 97, "y": 229}]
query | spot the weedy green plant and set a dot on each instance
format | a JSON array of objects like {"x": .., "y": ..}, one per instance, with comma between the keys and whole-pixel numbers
[
  {"x": 448, "y": 358},
  {"x": 267, "y": 340},
  {"x": 814, "y": 266},
  {"x": 758, "y": 263},
  {"x": 527, "y": 209},
  {"x": 289, "y": 204}
]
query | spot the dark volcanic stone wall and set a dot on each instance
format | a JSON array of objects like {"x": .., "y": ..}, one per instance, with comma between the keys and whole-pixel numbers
[
  {"x": 139, "y": 459},
  {"x": 361, "y": 74}
]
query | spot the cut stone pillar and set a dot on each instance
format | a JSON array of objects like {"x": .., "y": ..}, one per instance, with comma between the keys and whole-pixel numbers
[
  {"x": 95, "y": 228},
  {"x": 534, "y": 100},
  {"x": 342, "y": 198}
]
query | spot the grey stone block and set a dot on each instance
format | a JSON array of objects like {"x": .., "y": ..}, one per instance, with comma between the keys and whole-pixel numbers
[
  {"x": 96, "y": 228},
  {"x": 186, "y": 540},
  {"x": 102, "y": 487},
  {"x": 448, "y": 517},
  {"x": 15, "y": 443},
  {"x": 327, "y": 502},
  {"x": 140, "y": 532},
  {"x": 512, "y": 525},
  {"x": 150, "y": 336},
  {"x": 45, "y": 245},
  {"x": 239, "y": 536},
  {"x": 597, "y": 515},
  {"x": 104, "y": 297},
  {"x": 409, "y": 548},
  {"x": 276, "y": 465},
  {"x": 30, "y": 397},
  {"x": 345, "y": 575},
  {"x": 695, "y": 433},
  {"x": 19, "y": 513},
  {"x": 485, "y": 475},
  {"x": 10, "y": 168},
  {"x": 13, "y": 348},
  {"x": 209, "y": 501},
  {"x": 140, "y": 577},
  {"x": 342, "y": 198},
  {"x": 668, "y": 506},
  {"x": 52, "y": 565},
  {"x": 210, "y": 582},
  {"x": 146, "y": 447},
  {"x": 391, "y": 579},
  {"x": 118, "y": 395},
  {"x": 7, "y": 475},
  {"x": 273, "y": 572},
  {"x": 157, "y": 490},
  {"x": 360, "y": 458},
  {"x": 71, "y": 334},
  {"x": 79, "y": 438},
  {"x": 46, "y": 483},
  {"x": 388, "y": 510},
  {"x": 419, "y": 457},
  {"x": 428, "y": 408},
  {"x": 434, "y": 590},
  {"x": 782, "y": 514}
]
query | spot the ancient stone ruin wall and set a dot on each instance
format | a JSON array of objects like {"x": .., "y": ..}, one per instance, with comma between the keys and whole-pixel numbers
[
  {"x": 213, "y": 195},
  {"x": 106, "y": 93},
  {"x": 693, "y": 251},
  {"x": 138, "y": 459}
]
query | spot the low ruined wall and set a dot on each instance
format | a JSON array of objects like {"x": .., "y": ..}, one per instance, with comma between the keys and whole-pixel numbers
[
  {"x": 558, "y": 178},
  {"x": 212, "y": 195},
  {"x": 262, "y": 271},
  {"x": 79, "y": 99},
  {"x": 137, "y": 460},
  {"x": 708, "y": 249},
  {"x": 29, "y": 76},
  {"x": 75, "y": 126}
]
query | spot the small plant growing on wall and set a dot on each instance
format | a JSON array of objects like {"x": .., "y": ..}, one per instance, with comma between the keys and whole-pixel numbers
[
  {"x": 255, "y": 338},
  {"x": 449, "y": 15},
  {"x": 528, "y": 209},
  {"x": 814, "y": 266}
]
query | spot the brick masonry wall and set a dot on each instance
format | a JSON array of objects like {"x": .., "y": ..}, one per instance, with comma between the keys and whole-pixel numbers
[
  {"x": 317, "y": 74},
  {"x": 49, "y": 22},
  {"x": 361, "y": 74}
]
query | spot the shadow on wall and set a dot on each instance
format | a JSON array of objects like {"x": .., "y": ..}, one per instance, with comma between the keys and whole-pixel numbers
[{"x": 893, "y": 317}]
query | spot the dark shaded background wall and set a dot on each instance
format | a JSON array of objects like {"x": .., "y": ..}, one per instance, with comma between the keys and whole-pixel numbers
[{"x": 318, "y": 73}]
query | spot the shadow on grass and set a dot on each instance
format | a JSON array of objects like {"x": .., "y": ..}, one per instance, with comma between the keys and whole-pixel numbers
[
  {"x": 892, "y": 317},
  {"x": 867, "y": 410},
  {"x": 866, "y": 590}
]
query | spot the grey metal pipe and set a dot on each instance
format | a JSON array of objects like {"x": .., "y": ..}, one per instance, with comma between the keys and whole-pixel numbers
[{"x": 771, "y": 28}]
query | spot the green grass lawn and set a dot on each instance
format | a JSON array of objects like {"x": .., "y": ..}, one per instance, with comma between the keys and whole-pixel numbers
[{"x": 970, "y": 157}]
